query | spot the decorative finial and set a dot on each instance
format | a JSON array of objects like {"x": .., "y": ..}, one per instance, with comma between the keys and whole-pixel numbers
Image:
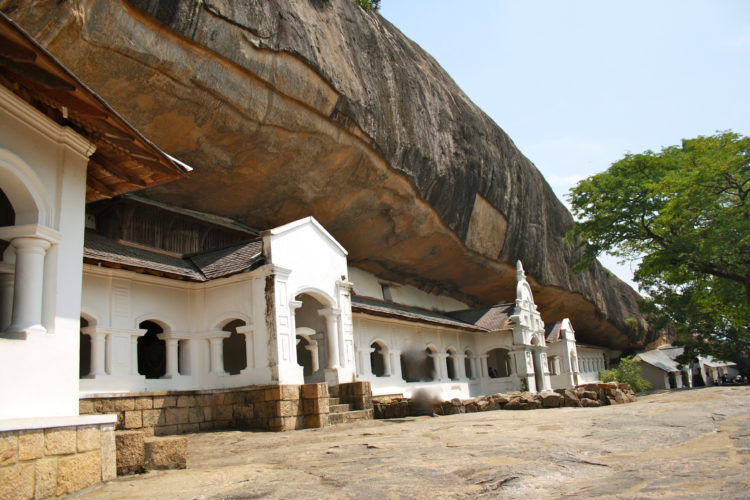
[{"x": 520, "y": 274}]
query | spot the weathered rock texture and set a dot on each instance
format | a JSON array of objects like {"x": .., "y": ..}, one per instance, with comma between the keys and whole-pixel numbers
[{"x": 316, "y": 107}]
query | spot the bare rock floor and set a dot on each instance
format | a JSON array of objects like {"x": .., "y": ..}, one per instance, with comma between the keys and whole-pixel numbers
[{"x": 684, "y": 444}]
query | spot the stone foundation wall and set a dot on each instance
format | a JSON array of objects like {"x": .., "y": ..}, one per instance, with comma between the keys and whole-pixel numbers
[
  {"x": 588, "y": 395},
  {"x": 357, "y": 394},
  {"x": 54, "y": 461},
  {"x": 271, "y": 407}
]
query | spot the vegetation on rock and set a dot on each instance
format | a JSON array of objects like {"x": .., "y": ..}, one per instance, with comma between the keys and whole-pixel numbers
[
  {"x": 686, "y": 212},
  {"x": 368, "y": 4},
  {"x": 629, "y": 372}
]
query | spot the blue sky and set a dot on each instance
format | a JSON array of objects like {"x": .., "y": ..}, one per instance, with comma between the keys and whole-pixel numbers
[{"x": 577, "y": 84}]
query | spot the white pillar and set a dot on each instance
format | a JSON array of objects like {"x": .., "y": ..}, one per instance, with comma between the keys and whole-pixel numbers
[
  {"x": 368, "y": 361},
  {"x": 172, "y": 362},
  {"x": 459, "y": 360},
  {"x": 475, "y": 371},
  {"x": 216, "y": 348},
  {"x": 134, "y": 351},
  {"x": 28, "y": 286},
  {"x": 98, "y": 353},
  {"x": 395, "y": 363},
  {"x": 359, "y": 362},
  {"x": 247, "y": 331},
  {"x": 6, "y": 295},
  {"x": 312, "y": 348},
  {"x": 386, "y": 363},
  {"x": 332, "y": 336},
  {"x": 483, "y": 360}
]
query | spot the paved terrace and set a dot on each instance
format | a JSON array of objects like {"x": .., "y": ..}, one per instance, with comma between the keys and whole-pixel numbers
[{"x": 684, "y": 444}]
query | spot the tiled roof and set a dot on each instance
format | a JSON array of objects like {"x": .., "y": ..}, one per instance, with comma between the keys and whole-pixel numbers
[
  {"x": 196, "y": 267},
  {"x": 553, "y": 330},
  {"x": 389, "y": 309},
  {"x": 491, "y": 319},
  {"x": 229, "y": 260},
  {"x": 658, "y": 359}
]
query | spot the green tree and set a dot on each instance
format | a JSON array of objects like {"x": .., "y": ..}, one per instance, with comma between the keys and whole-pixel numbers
[
  {"x": 685, "y": 212},
  {"x": 628, "y": 371}
]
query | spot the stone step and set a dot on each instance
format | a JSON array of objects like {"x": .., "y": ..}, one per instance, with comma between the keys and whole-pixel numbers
[
  {"x": 334, "y": 401},
  {"x": 339, "y": 408},
  {"x": 349, "y": 416}
]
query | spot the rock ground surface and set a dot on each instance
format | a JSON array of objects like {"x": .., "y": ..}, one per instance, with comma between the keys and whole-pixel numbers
[{"x": 685, "y": 444}]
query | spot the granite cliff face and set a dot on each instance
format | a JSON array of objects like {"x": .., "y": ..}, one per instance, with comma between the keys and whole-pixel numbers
[{"x": 289, "y": 108}]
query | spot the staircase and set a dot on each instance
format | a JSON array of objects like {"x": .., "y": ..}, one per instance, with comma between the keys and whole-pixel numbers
[{"x": 342, "y": 413}]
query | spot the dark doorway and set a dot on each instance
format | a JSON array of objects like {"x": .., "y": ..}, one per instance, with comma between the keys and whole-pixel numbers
[{"x": 152, "y": 351}]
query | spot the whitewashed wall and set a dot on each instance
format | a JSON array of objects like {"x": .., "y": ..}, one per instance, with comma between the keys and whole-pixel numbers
[{"x": 43, "y": 173}]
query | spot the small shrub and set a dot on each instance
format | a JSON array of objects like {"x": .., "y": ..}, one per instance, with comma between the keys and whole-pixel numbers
[
  {"x": 629, "y": 372},
  {"x": 368, "y": 4}
]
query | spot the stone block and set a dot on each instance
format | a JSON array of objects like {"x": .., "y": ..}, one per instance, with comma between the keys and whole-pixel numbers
[
  {"x": 195, "y": 415},
  {"x": 206, "y": 426},
  {"x": 133, "y": 419},
  {"x": 316, "y": 421},
  {"x": 590, "y": 403},
  {"x": 147, "y": 431},
  {"x": 60, "y": 441},
  {"x": 290, "y": 392},
  {"x": 144, "y": 403},
  {"x": 285, "y": 423},
  {"x": 222, "y": 424},
  {"x": 151, "y": 418},
  {"x": 8, "y": 449},
  {"x": 164, "y": 401},
  {"x": 361, "y": 388},
  {"x": 17, "y": 481},
  {"x": 85, "y": 407},
  {"x": 124, "y": 404},
  {"x": 88, "y": 438},
  {"x": 176, "y": 416},
  {"x": 120, "y": 423},
  {"x": 208, "y": 413},
  {"x": 77, "y": 472},
  {"x": 204, "y": 400},
  {"x": 166, "y": 452},
  {"x": 165, "y": 430},
  {"x": 45, "y": 478},
  {"x": 315, "y": 406},
  {"x": 30, "y": 444},
  {"x": 552, "y": 400},
  {"x": 104, "y": 405},
  {"x": 289, "y": 408},
  {"x": 187, "y": 428},
  {"x": 244, "y": 413},
  {"x": 218, "y": 399},
  {"x": 185, "y": 401},
  {"x": 108, "y": 453},
  {"x": 129, "y": 452},
  {"x": 231, "y": 398},
  {"x": 315, "y": 391},
  {"x": 223, "y": 412},
  {"x": 273, "y": 393}
]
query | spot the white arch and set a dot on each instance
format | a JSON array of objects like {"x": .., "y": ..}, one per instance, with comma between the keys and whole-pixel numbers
[
  {"x": 306, "y": 333},
  {"x": 90, "y": 316},
  {"x": 221, "y": 321},
  {"x": 317, "y": 294},
  {"x": 160, "y": 320},
  {"x": 431, "y": 347},
  {"x": 377, "y": 340},
  {"x": 24, "y": 190},
  {"x": 451, "y": 350}
]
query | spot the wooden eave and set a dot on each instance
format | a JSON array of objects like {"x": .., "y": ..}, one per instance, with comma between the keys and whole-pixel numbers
[{"x": 124, "y": 160}]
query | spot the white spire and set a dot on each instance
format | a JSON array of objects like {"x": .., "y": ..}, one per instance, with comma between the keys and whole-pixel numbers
[{"x": 520, "y": 274}]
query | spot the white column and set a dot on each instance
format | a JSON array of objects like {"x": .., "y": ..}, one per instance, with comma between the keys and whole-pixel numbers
[
  {"x": 395, "y": 363},
  {"x": 247, "y": 331},
  {"x": 459, "y": 360},
  {"x": 172, "y": 363},
  {"x": 216, "y": 348},
  {"x": 28, "y": 286},
  {"x": 312, "y": 348},
  {"x": 332, "y": 336},
  {"x": 359, "y": 361},
  {"x": 6, "y": 295},
  {"x": 475, "y": 372},
  {"x": 98, "y": 353},
  {"x": 368, "y": 361},
  {"x": 483, "y": 371},
  {"x": 386, "y": 363},
  {"x": 134, "y": 351}
]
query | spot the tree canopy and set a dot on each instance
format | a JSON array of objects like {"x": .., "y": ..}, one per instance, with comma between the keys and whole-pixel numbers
[{"x": 685, "y": 212}]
